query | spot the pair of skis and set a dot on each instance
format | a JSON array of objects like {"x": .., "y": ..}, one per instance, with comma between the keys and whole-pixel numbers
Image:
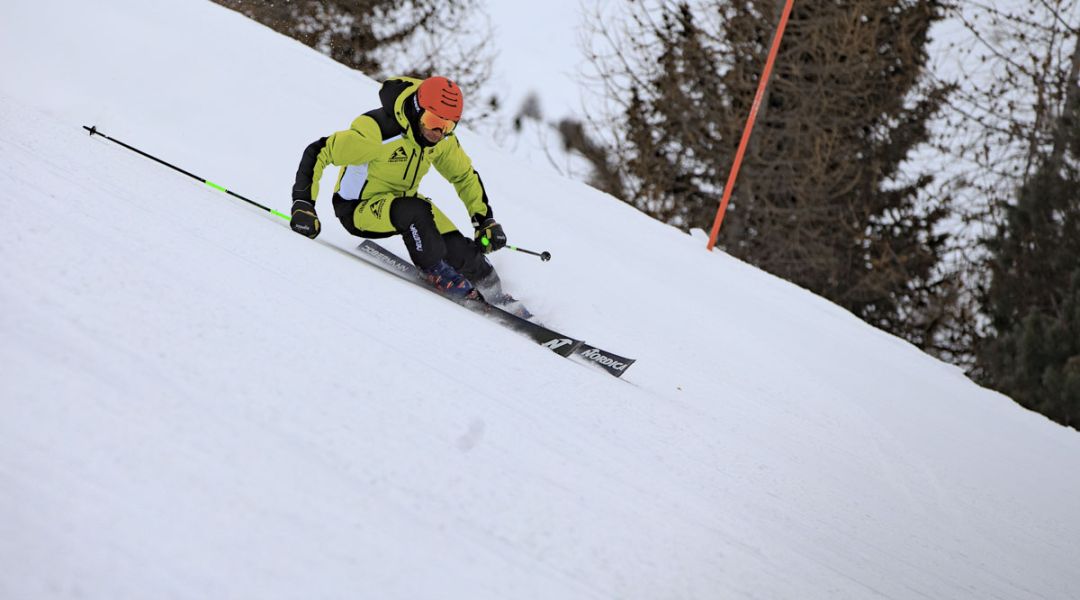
[{"x": 558, "y": 343}]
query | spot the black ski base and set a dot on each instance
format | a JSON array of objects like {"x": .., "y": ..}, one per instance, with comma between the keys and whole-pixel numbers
[{"x": 558, "y": 343}]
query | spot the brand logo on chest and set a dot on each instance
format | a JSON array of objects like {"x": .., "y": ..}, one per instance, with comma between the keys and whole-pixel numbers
[{"x": 399, "y": 155}]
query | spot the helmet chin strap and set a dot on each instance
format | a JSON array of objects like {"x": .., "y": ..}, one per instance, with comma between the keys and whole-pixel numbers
[{"x": 412, "y": 115}]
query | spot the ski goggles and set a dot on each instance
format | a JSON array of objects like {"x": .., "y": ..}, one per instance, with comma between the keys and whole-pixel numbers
[{"x": 433, "y": 121}]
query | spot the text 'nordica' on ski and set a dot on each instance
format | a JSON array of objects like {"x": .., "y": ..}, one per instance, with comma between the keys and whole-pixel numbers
[{"x": 558, "y": 343}]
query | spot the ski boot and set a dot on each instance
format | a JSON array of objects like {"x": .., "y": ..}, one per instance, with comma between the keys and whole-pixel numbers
[
  {"x": 490, "y": 287},
  {"x": 448, "y": 281}
]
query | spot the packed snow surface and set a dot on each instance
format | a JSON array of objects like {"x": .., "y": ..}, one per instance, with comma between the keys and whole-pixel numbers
[{"x": 198, "y": 403}]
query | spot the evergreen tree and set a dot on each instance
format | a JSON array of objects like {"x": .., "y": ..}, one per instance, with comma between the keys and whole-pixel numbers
[
  {"x": 1033, "y": 301},
  {"x": 820, "y": 200},
  {"x": 1012, "y": 66},
  {"x": 385, "y": 37}
]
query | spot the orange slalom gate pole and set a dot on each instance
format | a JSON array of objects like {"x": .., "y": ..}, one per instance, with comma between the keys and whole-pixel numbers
[{"x": 749, "y": 124}]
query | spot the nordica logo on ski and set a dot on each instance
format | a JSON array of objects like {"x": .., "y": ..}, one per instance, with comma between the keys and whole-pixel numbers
[
  {"x": 557, "y": 343},
  {"x": 600, "y": 358}
]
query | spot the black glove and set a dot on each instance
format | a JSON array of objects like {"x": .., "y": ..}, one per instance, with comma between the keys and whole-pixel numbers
[
  {"x": 490, "y": 236},
  {"x": 304, "y": 220}
]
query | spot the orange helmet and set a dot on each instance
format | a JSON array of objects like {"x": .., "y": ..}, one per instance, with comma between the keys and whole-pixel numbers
[{"x": 442, "y": 97}]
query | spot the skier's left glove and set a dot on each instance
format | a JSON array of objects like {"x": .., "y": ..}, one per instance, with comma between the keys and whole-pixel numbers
[{"x": 490, "y": 236}]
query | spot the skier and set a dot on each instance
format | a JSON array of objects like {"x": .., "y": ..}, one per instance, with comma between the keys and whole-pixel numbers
[{"x": 384, "y": 154}]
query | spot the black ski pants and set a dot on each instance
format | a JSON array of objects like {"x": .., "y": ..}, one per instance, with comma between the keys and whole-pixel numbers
[{"x": 412, "y": 218}]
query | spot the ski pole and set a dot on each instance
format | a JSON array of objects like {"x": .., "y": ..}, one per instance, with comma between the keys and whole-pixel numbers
[
  {"x": 94, "y": 131},
  {"x": 544, "y": 256}
]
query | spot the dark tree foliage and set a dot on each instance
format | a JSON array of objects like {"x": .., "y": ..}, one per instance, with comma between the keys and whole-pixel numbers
[
  {"x": 384, "y": 37},
  {"x": 1033, "y": 300},
  {"x": 820, "y": 200},
  {"x": 1010, "y": 62}
]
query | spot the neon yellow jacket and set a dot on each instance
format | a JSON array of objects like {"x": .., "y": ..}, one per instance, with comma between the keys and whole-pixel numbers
[{"x": 383, "y": 153}]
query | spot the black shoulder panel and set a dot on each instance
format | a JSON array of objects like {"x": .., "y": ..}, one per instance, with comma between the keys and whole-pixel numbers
[
  {"x": 388, "y": 125},
  {"x": 389, "y": 92}
]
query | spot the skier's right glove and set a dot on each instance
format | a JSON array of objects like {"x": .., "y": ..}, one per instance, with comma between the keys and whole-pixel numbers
[
  {"x": 490, "y": 236},
  {"x": 304, "y": 220}
]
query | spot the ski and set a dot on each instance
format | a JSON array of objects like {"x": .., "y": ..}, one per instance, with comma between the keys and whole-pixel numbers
[{"x": 563, "y": 345}]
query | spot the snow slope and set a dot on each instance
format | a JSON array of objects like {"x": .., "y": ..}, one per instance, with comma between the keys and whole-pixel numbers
[{"x": 198, "y": 403}]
